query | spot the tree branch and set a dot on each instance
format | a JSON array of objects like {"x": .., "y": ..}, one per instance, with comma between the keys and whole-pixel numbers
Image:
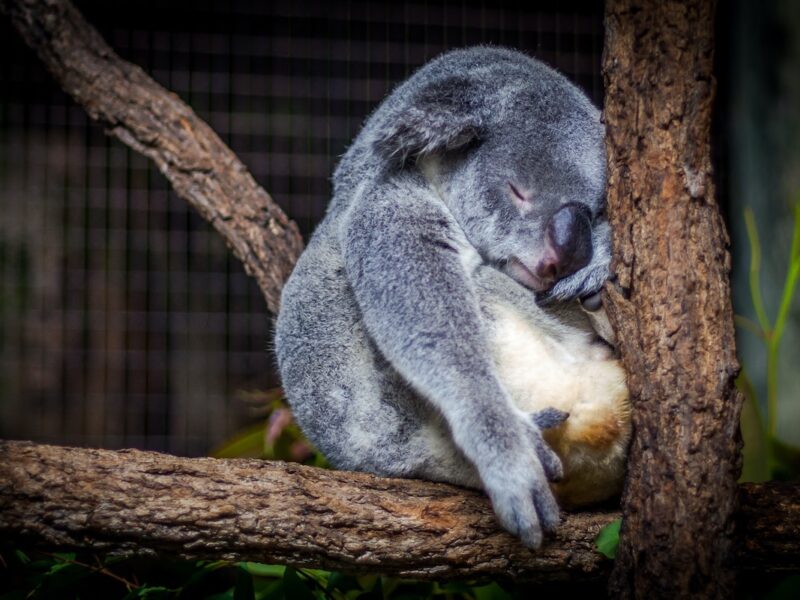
[
  {"x": 143, "y": 502},
  {"x": 256, "y": 510},
  {"x": 155, "y": 122}
]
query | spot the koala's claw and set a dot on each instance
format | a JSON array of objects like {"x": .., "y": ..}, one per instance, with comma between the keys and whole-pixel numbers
[
  {"x": 527, "y": 514},
  {"x": 548, "y": 513},
  {"x": 548, "y": 418},
  {"x": 551, "y": 463}
]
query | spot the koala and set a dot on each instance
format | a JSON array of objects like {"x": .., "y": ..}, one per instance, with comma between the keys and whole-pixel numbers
[{"x": 432, "y": 328}]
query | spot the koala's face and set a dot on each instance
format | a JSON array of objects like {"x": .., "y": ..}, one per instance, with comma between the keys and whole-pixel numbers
[
  {"x": 529, "y": 196},
  {"x": 517, "y": 152}
]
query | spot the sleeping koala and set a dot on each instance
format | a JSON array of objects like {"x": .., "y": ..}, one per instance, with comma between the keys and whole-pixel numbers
[{"x": 431, "y": 328}]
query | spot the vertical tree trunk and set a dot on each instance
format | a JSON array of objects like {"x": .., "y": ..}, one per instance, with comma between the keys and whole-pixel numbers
[{"x": 672, "y": 309}]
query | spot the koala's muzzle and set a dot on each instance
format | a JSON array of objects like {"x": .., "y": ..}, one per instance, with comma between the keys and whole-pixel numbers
[{"x": 568, "y": 243}]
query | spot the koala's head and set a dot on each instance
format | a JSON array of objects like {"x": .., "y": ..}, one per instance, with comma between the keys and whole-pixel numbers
[{"x": 516, "y": 152}]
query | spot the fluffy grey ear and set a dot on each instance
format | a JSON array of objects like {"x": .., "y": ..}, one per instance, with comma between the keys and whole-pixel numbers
[{"x": 441, "y": 116}]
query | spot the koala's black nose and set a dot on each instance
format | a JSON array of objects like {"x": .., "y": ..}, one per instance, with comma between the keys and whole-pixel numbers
[{"x": 569, "y": 243}]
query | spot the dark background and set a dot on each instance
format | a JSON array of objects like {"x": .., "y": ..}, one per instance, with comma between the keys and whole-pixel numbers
[{"x": 124, "y": 321}]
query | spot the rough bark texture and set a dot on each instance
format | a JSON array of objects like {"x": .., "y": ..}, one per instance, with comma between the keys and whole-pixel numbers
[
  {"x": 263, "y": 511},
  {"x": 155, "y": 122},
  {"x": 672, "y": 310},
  {"x": 143, "y": 502}
]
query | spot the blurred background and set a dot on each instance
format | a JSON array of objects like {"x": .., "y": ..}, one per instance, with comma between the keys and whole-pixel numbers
[{"x": 125, "y": 322}]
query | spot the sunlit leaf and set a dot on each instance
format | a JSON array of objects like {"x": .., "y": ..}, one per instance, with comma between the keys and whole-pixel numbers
[
  {"x": 608, "y": 539},
  {"x": 262, "y": 570}
]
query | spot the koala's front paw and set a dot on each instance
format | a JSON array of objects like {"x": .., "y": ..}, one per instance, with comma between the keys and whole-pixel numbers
[
  {"x": 519, "y": 490},
  {"x": 582, "y": 284},
  {"x": 590, "y": 279}
]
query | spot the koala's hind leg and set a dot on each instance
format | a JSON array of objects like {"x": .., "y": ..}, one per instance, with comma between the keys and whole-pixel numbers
[
  {"x": 345, "y": 396},
  {"x": 368, "y": 419}
]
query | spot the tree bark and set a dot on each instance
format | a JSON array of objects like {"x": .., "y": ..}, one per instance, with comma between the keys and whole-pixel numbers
[
  {"x": 155, "y": 122},
  {"x": 265, "y": 511},
  {"x": 672, "y": 309},
  {"x": 203, "y": 508}
]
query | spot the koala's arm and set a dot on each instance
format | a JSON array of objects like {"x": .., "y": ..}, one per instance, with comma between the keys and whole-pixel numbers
[{"x": 405, "y": 260}]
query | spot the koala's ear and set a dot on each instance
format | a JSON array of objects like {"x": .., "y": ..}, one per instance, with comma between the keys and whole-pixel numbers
[{"x": 441, "y": 116}]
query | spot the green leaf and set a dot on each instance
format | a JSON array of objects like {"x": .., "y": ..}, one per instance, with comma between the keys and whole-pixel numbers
[
  {"x": 247, "y": 444},
  {"x": 341, "y": 582},
  {"x": 62, "y": 576},
  {"x": 490, "y": 592},
  {"x": 608, "y": 539},
  {"x": 244, "y": 586},
  {"x": 261, "y": 570},
  {"x": 318, "y": 575},
  {"x": 153, "y": 592},
  {"x": 275, "y": 591},
  {"x": 294, "y": 587}
]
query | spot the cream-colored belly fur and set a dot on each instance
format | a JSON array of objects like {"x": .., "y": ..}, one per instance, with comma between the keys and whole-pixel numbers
[{"x": 577, "y": 375}]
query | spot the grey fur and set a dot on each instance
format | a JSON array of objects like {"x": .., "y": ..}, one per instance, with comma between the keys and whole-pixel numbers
[{"x": 383, "y": 334}]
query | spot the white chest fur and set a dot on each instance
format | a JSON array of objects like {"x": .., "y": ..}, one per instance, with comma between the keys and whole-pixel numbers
[{"x": 575, "y": 374}]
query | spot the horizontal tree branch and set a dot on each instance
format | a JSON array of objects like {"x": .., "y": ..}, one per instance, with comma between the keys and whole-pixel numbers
[
  {"x": 155, "y": 122},
  {"x": 144, "y": 502}
]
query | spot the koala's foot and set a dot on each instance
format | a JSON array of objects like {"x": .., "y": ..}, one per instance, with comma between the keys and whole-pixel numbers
[{"x": 519, "y": 488}]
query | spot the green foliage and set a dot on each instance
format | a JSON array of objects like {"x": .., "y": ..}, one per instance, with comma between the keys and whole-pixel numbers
[
  {"x": 607, "y": 540},
  {"x": 765, "y": 455},
  {"x": 44, "y": 575},
  {"x": 56, "y": 576}
]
